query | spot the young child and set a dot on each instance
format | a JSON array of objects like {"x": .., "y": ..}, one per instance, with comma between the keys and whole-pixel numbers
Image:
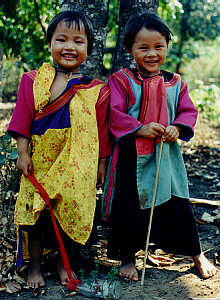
[
  {"x": 147, "y": 105},
  {"x": 62, "y": 136}
]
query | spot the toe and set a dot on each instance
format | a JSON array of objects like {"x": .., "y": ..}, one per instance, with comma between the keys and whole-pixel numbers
[{"x": 135, "y": 276}]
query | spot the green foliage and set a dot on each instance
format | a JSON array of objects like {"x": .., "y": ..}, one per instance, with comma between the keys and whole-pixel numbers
[
  {"x": 112, "y": 274},
  {"x": 206, "y": 67},
  {"x": 207, "y": 100},
  {"x": 8, "y": 150},
  {"x": 169, "y": 9},
  {"x": 200, "y": 19},
  {"x": 190, "y": 21},
  {"x": 112, "y": 27},
  {"x": 11, "y": 74},
  {"x": 22, "y": 32},
  {"x": 113, "y": 21}
]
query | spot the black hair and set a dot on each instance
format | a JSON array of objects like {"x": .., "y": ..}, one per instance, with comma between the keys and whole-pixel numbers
[
  {"x": 148, "y": 20},
  {"x": 69, "y": 17}
]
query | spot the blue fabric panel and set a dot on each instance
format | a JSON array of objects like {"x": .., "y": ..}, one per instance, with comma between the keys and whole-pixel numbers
[
  {"x": 172, "y": 100},
  {"x": 57, "y": 120},
  {"x": 172, "y": 103},
  {"x": 172, "y": 175},
  {"x": 134, "y": 109},
  {"x": 19, "y": 261}
]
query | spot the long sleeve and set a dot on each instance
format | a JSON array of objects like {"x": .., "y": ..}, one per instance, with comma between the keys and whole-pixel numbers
[
  {"x": 186, "y": 114},
  {"x": 102, "y": 114},
  {"x": 121, "y": 123},
  {"x": 24, "y": 111}
]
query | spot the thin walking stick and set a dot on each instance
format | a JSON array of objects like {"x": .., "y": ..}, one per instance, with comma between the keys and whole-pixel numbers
[{"x": 151, "y": 212}]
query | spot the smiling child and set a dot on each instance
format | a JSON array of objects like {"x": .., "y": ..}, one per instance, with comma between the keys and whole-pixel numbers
[
  {"x": 60, "y": 126},
  {"x": 148, "y": 104}
]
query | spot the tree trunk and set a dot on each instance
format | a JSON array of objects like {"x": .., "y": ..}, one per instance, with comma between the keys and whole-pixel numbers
[
  {"x": 97, "y": 11},
  {"x": 1, "y": 71},
  {"x": 127, "y": 8}
]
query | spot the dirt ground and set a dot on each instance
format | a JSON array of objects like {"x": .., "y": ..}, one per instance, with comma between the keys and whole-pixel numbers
[{"x": 179, "y": 281}]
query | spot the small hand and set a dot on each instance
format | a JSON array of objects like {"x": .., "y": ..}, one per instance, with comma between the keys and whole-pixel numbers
[
  {"x": 102, "y": 168},
  {"x": 24, "y": 163},
  {"x": 151, "y": 130},
  {"x": 171, "y": 134}
]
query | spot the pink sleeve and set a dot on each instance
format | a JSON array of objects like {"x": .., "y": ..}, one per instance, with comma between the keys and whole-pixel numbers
[
  {"x": 102, "y": 113},
  {"x": 24, "y": 112},
  {"x": 186, "y": 114},
  {"x": 121, "y": 123}
]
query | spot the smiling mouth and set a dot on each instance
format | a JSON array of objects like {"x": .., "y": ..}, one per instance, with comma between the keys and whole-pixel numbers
[
  {"x": 151, "y": 62},
  {"x": 69, "y": 56}
]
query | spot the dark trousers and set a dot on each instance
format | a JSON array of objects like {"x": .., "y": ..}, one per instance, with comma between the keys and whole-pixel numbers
[
  {"x": 173, "y": 227},
  {"x": 45, "y": 230}
]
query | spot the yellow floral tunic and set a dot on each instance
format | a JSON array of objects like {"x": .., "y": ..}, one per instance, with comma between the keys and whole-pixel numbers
[{"x": 65, "y": 160}]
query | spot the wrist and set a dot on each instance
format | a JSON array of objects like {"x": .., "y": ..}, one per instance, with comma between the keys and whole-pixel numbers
[
  {"x": 178, "y": 128},
  {"x": 23, "y": 152},
  {"x": 103, "y": 159}
]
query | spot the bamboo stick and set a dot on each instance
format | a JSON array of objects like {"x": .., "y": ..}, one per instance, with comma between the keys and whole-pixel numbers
[{"x": 151, "y": 212}]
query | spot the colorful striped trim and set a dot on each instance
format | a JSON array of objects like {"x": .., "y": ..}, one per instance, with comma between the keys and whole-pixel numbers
[
  {"x": 170, "y": 83},
  {"x": 54, "y": 106},
  {"x": 144, "y": 96},
  {"x": 86, "y": 86},
  {"x": 173, "y": 81},
  {"x": 111, "y": 182},
  {"x": 131, "y": 75},
  {"x": 104, "y": 93},
  {"x": 123, "y": 78},
  {"x": 182, "y": 88}
]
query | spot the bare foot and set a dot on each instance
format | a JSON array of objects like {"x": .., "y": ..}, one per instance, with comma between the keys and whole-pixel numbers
[
  {"x": 63, "y": 274},
  {"x": 205, "y": 267},
  {"x": 129, "y": 271},
  {"x": 35, "y": 278}
]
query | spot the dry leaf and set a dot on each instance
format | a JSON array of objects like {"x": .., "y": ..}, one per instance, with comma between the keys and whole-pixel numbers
[
  {"x": 12, "y": 287},
  {"x": 18, "y": 278},
  {"x": 200, "y": 221},
  {"x": 70, "y": 294},
  {"x": 104, "y": 242},
  {"x": 141, "y": 252},
  {"x": 2, "y": 286},
  {"x": 207, "y": 218},
  {"x": 217, "y": 259},
  {"x": 160, "y": 260},
  {"x": 36, "y": 292}
]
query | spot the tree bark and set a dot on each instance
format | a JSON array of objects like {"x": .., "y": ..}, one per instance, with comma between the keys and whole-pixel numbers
[
  {"x": 1, "y": 71},
  {"x": 97, "y": 11},
  {"x": 127, "y": 8}
]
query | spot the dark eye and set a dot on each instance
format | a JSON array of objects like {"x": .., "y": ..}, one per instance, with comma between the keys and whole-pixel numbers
[
  {"x": 60, "y": 40},
  {"x": 79, "y": 42}
]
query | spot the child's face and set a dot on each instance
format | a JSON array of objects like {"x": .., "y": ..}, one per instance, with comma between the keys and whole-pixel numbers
[
  {"x": 68, "y": 46},
  {"x": 149, "y": 51}
]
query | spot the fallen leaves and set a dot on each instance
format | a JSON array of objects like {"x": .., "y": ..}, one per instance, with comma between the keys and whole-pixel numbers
[
  {"x": 217, "y": 259},
  {"x": 158, "y": 258},
  {"x": 10, "y": 281}
]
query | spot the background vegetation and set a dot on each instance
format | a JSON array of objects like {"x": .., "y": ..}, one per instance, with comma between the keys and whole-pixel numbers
[{"x": 194, "y": 51}]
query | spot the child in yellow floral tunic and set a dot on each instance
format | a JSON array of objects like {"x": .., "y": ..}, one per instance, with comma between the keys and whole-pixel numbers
[{"x": 60, "y": 125}]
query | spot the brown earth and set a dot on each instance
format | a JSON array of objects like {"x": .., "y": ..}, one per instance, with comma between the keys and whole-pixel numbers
[{"x": 179, "y": 281}]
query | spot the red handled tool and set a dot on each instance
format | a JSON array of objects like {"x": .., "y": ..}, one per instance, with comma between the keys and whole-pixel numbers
[{"x": 73, "y": 283}]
